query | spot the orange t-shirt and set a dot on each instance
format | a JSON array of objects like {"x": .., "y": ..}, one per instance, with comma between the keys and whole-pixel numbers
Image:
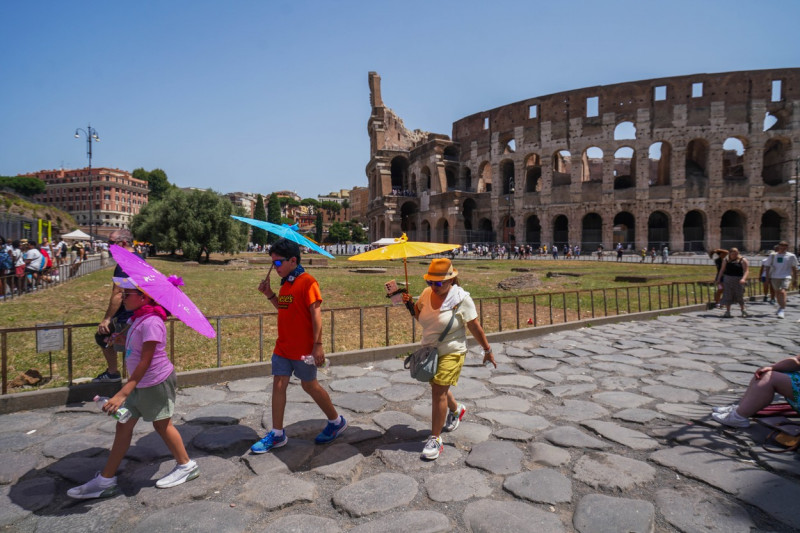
[{"x": 295, "y": 331}]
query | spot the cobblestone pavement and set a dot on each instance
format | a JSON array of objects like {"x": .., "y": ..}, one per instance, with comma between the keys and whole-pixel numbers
[{"x": 604, "y": 428}]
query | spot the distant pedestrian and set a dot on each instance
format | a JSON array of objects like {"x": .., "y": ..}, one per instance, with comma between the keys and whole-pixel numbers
[
  {"x": 665, "y": 254},
  {"x": 653, "y": 254},
  {"x": 782, "y": 271},
  {"x": 600, "y": 253},
  {"x": 619, "y": 252},
  {"x": 733, "y": 277},
  {"x": 643, "y": 254},
  {"x": 555, "y": 251},
  {"x": 721, "y": 255}
]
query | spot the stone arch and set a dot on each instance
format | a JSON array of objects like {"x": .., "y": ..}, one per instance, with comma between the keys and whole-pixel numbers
[
  {"x": 657, "y": 230},
  {"x": 507, "y": 175},
  {"x": 624, "y": 228},
  {"x": 413, "y": 184},
  {"x": 561, "y": 230},
  {"x": 733, "y": 150},
  {"x": 591, "y": 232},
  {"x": 509, "y": 146},
  {"x": 697, "y": 159},
  {"x": 425, "y": 231},
  {"x": 624, "y": 168},
  {"x": 533, "y": 231},
  {"x": 625, "y": 131},
  {"x": 694, "y": 231},
  {"x": 485, "y": 230},
  {"x": 425, "y": 177},
  {"x": 533, "y": 173},
  {"x": 562, "y": 168},
  {"x": 659, "y": 158},
  {"x": 508, "y": 223},
  {"x": 776, "y": 167},
  {"x": 443, "y": 230},
  {"x": 399, "y": 172},
  {"x": 485, "y": 179},
  {"x": 466, "y": 178},
  {"x": 450, "y": 153},
  {"x": 450, "y": 177},
  {"x": 731, "y": 230},
  {"x": 771, "y": 223},
  {"x": 468, "y": 209},
  {"x": 592, "y": 164},
  {"x": 408, "y": 215}
]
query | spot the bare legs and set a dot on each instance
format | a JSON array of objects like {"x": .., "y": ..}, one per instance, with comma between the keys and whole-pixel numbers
[
  {"x": 760, "y": 392},
  {"x": 442, "y": 400},
  {"x": 312, "y": 388}
]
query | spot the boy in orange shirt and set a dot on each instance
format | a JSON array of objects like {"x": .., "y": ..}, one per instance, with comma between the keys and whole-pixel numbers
[{"x": 299, "y": 334}]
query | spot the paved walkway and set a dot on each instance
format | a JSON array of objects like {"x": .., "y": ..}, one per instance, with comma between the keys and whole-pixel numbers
[{"x": 599, "y": 429}]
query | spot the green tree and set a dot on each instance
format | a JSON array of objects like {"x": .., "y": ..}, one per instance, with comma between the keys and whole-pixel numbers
[
  {"x": 311, "y": 202},
  {"x": 26, "y": 186},
  {"x": 259, "y": 235},
  {"x": 157, "y": 182},
  {"x": 318, "y": 227},
  {"x": 273, "y": 215},
  {"x": 357, "y": 233},
  {"x": 197, "y": 222},
  {"x": 338, "y": 233}
]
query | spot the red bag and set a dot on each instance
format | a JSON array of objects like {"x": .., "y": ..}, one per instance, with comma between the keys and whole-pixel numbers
[
  {"x": 777, "y": 409},
  {"x": 49, "y": 262}
]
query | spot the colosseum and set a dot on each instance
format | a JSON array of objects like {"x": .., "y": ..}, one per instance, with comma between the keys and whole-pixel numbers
[{"x": 693, "y": 162}]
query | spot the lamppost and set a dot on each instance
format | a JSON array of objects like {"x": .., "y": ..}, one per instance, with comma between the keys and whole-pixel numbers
[
  {"x": 796, "y": 199},
  {"x": 91, "y": 134}
]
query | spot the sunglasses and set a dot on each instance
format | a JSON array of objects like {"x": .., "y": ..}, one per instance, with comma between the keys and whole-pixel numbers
[
  {"x": 125, "y": 294},
  {"x": 278, "y": 262},
  {"x": 436, "y": 283}
]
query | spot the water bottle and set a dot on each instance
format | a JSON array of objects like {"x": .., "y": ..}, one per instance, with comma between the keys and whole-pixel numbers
[
  {"x": 309, "y": 360},
  {"x": 122, "y": 415}
]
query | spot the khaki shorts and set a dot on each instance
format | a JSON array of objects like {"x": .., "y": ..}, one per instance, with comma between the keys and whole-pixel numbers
[
  {"x": 449, "y": 369},
  {"x": 780, "y": 284},
  {"x": 154, "y": 403}
]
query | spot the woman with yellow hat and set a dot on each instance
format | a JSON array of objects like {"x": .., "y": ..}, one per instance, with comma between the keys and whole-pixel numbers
[{"x": 442, "y": 301}]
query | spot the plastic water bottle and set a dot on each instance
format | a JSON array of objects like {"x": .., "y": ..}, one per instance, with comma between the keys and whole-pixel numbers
[
  {"x": 122, "y": 415},
  {"x": 309, "y": 360}
]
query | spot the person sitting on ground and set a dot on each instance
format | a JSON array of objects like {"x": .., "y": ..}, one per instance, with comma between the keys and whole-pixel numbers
[{"x": 783, "y": 378}]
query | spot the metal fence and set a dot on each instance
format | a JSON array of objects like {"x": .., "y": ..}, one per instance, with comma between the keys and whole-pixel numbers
[
  {"x": 12, "y": 286},
  {"x": 242, "y": 338}
]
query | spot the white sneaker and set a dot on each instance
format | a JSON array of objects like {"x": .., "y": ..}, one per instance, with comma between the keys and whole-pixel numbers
[
  {"x": 732, "y": 419},
  {"x": 180, "y": 474},
  {"x": 454, "y": 418},
  {"x": 432, "y": 448},
  {"x": 97, "y": 487},
  {"x": 780, "y": 313},
  {"x": 724, "y": 409}
]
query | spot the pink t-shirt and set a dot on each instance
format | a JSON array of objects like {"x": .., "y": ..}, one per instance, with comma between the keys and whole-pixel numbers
[{"x": 144, "y": 329}]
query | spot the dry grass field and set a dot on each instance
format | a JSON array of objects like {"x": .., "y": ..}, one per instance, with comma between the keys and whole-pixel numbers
[{"x": 223, "y": 289}]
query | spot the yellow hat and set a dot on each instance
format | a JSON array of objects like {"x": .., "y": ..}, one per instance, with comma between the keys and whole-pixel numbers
[{"x": 440, "y": 270}]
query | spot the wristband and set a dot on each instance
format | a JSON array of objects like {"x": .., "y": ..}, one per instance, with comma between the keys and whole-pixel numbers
[
  {"x": 487, "y": 352},
  {"x": 273, "y": 296}
]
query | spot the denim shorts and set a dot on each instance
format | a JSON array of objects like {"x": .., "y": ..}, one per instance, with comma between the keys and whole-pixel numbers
[
  {"x": 794, "y": 402},
  {"x": 282, "y": 366}
]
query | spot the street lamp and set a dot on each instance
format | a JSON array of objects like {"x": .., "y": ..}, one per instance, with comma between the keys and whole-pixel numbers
[{"x": 91, "y": 134}]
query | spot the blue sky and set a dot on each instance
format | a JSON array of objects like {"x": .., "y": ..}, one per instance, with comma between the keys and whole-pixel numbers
[{"x": 268, "y": 95}]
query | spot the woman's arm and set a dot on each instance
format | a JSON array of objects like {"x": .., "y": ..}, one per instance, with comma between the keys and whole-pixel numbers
[
  {"x": 721, "y": 270},
  {"x": 477, "y": 331},
  {"x": 116, "y": 401},
  {"x": 790, "y": 364},
  {"x": 745, "y": 270}
]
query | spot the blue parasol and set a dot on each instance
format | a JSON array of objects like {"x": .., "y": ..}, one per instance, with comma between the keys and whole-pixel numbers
[{"x": 285, "y": 231}]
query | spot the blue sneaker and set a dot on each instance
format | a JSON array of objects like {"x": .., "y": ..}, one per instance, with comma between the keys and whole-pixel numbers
[
  {"x": 330, "y": 432},
  {"x": 269, "y": 442}
]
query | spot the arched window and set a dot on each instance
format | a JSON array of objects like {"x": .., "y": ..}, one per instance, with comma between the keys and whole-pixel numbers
[
  {"x": 659, "y": 157},
  {"x": 561, "y": 231},
  {"x": 770, "y": 230},
  {"x": 533, "y": 231},
  {"x": 624, "y": 229},
  {"x": 592, "y": 164},
  {"x": 591, "y": 232},
  {"x": 399, "y": 168},
  {"x": 733, "y": 159},
  {"x": 624, "y": 168},
  {"x": 533, "y": 174},
  {"x": 658, "y": 230},
  {"x": 562, "y": 168},
  {"x": 507, "y": 173},
  {"x": 696, "y": 158},
  {"x": 694, "y": 233},
  {"x": 625, "y": 131},
  {"x": 777, "y": 163},
  {"x": 732, "y": 230}
]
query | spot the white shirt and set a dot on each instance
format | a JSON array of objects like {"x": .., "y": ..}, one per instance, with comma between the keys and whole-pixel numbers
[
  {"x": 434, "y": 321},
  {"x": 33, "y": 258},
  {"x": 782, "y": 265}
]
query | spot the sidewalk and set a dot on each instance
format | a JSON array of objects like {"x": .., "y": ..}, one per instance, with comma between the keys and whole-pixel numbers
[{"x": 599, "y": 429}]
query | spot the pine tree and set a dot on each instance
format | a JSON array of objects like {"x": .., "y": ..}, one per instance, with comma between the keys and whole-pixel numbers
[
  {"x": 273, "y": 215},
  {"x": 318, "y": 227},
  {"x": 259, "y": 235}
]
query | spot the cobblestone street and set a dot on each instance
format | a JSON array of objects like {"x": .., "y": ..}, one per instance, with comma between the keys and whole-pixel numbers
[{"x": 603, "y": 428}]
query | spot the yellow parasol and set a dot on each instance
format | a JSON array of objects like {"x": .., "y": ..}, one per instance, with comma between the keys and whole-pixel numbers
[{"x": 402, "y": 248}]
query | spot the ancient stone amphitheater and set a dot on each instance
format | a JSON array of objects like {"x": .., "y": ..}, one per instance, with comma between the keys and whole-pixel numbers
[{"x": 693, "y": 162}]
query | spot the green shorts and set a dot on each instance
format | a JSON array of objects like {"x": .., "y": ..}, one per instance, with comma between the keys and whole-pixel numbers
[
  {"x": 154, "y": 403},
  {"x": 449, "y": 369}
]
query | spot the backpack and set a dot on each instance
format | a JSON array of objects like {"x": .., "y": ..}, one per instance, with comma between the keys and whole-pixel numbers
[
  {"x": 6, "y": 263},
  {"x": 48, "y": 262}
]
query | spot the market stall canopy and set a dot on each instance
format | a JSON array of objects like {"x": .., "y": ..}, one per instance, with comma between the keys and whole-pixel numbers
[
  {"x": 76, "y": 235},
  {"x": 386, "y": 241}
]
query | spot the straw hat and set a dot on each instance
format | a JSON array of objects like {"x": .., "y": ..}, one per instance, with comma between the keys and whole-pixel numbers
[{"x": 440, "y": 270}]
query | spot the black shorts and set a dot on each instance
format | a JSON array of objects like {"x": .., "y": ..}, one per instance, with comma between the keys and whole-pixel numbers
[{"x": 116, "y": 326}]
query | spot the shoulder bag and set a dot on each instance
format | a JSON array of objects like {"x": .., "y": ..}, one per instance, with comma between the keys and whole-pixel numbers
[{"x": 424, "y": 362}]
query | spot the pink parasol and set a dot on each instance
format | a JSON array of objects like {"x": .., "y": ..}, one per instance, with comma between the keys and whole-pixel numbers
[{"x": 163, "y": 290}]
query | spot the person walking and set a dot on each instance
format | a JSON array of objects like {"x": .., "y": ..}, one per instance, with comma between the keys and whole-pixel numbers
[
  {"x": 733, "y": 276},
  {"x": 665, "y": 254},
  {"x": 299, "y": 334},
  {"x": 721, "y": 255},
  {"x": 115, "y": 318},
  {"x": 441, "y": 305},
  {"x": 782, "y": 273},
  {"x": 149, "y": 393}
]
